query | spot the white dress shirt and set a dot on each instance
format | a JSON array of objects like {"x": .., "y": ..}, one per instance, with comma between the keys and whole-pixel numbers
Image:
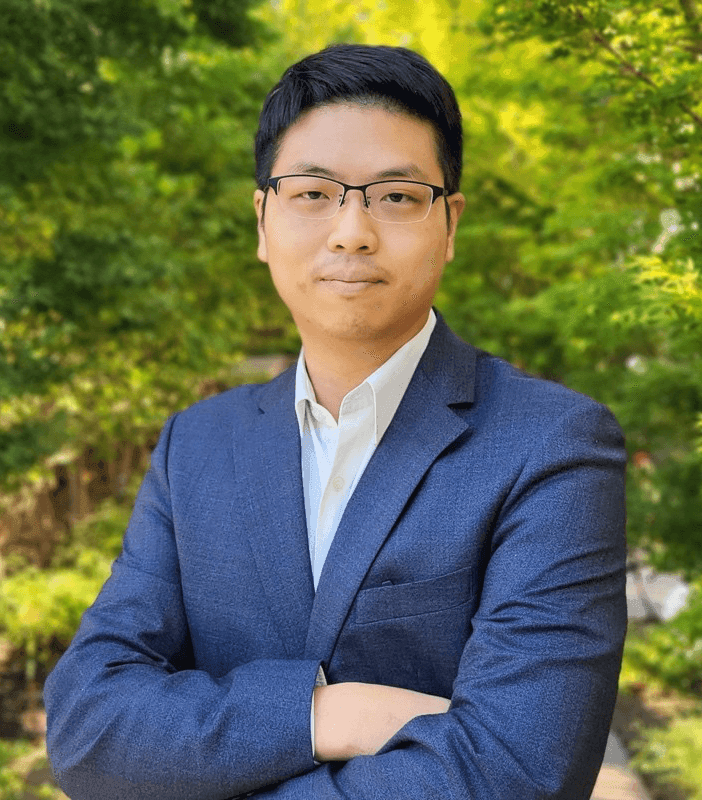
[{"x": 334, "y": 455}]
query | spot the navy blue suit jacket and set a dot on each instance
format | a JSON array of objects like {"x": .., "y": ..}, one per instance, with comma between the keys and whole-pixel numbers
[{"x": 480, "y": 558}]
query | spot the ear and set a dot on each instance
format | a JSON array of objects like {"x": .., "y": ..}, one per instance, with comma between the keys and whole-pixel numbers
[
  {"x": 456, "y": 203},
  {"x": 262, "y": 251}
]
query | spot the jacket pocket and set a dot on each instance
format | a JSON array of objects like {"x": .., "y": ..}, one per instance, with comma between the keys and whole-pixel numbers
[{"x": 417, "y": 597}]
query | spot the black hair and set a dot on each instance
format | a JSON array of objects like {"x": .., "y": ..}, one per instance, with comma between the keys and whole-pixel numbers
[{"x": 392, "y": 77}]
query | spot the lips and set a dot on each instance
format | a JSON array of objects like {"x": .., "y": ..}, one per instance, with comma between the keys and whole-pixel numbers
[
  {"x": 365, "y": 281},
  {"x": 346, "y": 287},
  {"x": 351, "y": 277}
]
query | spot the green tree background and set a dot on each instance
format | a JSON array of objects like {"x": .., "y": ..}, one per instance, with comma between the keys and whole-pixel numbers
[{"x": 128, "y": 276}]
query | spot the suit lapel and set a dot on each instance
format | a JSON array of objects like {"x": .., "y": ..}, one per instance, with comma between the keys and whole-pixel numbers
[
  {"x": 421, "y": 429},
  {"x": 271, "y": 501}
]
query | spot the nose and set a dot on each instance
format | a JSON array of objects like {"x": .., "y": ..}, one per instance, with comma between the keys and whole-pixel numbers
[{"x": 353, "y": 228}]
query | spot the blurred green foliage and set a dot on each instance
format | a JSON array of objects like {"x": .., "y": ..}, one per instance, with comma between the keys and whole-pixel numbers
[
  {"x": 40, "y": 606},
  {"x": 128, "y": 272},
  {"x": 674, "y": 754},
  {"x": 12, "y": 784},
  {"x": 17, "y": 759},
  {"x": 40, "y": 609},
  {"x": 666, "y": 658},
  {"x": 668, "y": 654},
  {"x": 56, "y": 86}
]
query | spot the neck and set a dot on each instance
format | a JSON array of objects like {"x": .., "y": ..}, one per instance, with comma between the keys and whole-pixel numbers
[{"x": 336, "y": 367}]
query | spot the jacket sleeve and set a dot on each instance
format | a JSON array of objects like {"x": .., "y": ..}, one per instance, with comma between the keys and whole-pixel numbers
[
  {"x": 534, "y": 695},
  {"x": 127, "y": 715}
]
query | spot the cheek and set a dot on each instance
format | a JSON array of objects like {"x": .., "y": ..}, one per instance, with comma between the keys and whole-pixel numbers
[
  {"x": 423, "y": 257},
  {"x": 292, "y": 244},
  {"x": 289, "y": 262}
]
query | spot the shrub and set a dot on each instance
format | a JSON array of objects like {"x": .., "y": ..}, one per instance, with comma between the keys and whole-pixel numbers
[
  {"x": 37, "y": 607},
  {"x": 670, "y": 653},
  {"x": 675, "y": 754}
]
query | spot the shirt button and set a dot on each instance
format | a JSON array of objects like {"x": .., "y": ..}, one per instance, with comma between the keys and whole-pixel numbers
[{"x": 338, "y": 483}]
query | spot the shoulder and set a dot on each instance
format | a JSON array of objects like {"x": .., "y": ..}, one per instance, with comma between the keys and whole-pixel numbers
[
  {"x": 498, "y": 381},
  {"x": 468, "y": 377},
  {"x": 212, "y": 420},
  {"x": 222, "y": 409},
  {"x": 512, "y": 399}
]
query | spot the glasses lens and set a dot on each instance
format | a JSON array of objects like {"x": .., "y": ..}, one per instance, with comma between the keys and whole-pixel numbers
[
  {"x": 399, "y": 201},
  {"x": 310, "y": 197}
]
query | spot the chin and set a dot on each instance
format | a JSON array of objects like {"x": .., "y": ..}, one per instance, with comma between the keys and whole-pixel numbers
[{"x": 354, "y": 331}]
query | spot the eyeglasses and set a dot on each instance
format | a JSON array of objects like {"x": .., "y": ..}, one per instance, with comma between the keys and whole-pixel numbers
[{"x": 312, "y": 197}]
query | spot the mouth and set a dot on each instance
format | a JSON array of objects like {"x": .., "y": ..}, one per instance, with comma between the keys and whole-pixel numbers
[
  {"x": 350, "y": 280},
  {"x": 351, "y": 276},
  {"x": 346, "y": 286}
]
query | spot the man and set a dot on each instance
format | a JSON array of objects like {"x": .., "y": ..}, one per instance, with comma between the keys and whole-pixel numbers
[{"x": 396, "y": 570}]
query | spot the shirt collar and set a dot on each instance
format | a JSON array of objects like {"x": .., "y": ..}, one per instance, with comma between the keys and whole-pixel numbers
[{"x": 388, "y": 383}]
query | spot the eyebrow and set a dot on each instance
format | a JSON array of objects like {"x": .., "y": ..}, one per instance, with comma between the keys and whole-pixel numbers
[{"x": 410, "y": 171}]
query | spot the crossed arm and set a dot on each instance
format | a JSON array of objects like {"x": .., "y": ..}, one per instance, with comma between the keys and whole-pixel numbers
[
  {"x": 358, "y": 719},
  {"x": 129, "y": 717}
]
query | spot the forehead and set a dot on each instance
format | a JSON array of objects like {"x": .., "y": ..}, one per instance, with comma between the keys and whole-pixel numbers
[{"x": 357, "y": 142}]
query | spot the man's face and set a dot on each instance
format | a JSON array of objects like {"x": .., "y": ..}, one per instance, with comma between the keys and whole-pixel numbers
[{"x": 352, "y": 277}]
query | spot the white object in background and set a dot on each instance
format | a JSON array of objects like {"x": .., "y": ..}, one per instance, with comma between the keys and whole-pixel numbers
[
  {"x": 674, "y": 602},
  {"x": 653, "y": 595}
]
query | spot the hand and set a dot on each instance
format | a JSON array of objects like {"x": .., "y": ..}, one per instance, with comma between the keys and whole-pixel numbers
[{"x": 353, "y": 719}]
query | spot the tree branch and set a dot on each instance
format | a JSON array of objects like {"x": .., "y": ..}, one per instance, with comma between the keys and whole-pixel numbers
[
  {"x": 630, "y": 68},
  {"x": 691, "y": 17}
]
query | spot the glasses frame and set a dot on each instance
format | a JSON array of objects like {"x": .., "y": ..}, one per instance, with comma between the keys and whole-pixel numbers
[{"x": 436, "y": 193}]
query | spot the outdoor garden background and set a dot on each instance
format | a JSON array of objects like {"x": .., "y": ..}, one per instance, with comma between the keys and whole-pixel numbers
[{"x": 129, "y": 285}]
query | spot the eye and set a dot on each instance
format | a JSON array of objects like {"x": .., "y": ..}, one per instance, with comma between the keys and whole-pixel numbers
[
  {"x": 400, "y": 198},
  {"x": 313, "y": 194}
]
